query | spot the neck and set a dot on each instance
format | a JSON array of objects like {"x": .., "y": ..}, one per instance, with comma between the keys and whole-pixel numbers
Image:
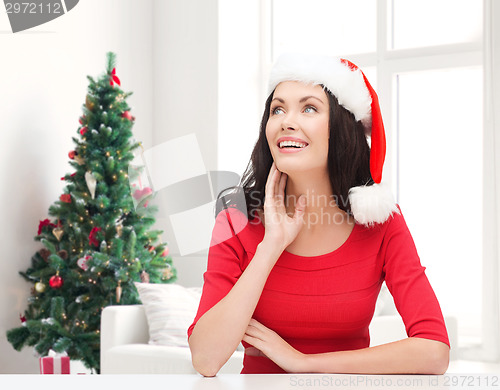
[{"x": 321, "y": 207}]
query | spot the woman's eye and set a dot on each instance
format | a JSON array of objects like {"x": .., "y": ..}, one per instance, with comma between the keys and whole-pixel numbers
[
  {"x": 276, "y": 110},
  {"x": 310, "y": 108}
]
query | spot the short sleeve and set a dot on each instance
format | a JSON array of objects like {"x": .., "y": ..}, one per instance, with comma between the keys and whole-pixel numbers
[
  {"x": 405, "y": 278},
  {"x": 224, "y": 261}
]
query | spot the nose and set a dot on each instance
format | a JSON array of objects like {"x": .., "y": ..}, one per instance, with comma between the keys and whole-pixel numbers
[{"x": 289, "y": 122}]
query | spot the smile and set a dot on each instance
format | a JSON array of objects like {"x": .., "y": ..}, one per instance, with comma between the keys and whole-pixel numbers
[{"x": 291, "y": 146}]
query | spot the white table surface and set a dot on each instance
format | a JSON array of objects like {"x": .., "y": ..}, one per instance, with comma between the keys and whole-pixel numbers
[{"x": 253, "y": 382}]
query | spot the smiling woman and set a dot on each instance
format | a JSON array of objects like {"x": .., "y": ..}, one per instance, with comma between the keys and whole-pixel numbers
[{"x": 297, "y": 279}]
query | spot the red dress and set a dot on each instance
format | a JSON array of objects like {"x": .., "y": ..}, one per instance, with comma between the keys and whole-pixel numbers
[{"x": 325, "y": 303}]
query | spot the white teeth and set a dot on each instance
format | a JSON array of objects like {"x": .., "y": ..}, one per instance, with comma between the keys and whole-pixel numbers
[{"x": 292, "y": 143}]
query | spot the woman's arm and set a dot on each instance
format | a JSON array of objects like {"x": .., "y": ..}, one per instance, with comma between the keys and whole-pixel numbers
[
  {"x": 409, "y": 356},
  {"x": 218, "y": 332}
]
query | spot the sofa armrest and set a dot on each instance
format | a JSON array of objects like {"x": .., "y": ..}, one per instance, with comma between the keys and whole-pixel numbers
[
  {"x": 388, "y": 328},
  {"x": 125, "y": 348},
  {"x": 123, "y": 324}
]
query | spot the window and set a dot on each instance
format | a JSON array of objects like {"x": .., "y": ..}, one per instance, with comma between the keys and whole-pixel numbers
[
  {"x": 347, "y": 27},
  {"x": 439, "y": 147},
  {"x": 430, "y": 23},
  {"x": 425, "y": 59}
]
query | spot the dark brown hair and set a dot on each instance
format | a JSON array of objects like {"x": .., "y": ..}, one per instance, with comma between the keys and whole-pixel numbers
[{"x": 348, "y": 162}]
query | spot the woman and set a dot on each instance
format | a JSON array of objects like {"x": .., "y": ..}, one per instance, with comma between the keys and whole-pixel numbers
[{"x": 295, "y": 274}]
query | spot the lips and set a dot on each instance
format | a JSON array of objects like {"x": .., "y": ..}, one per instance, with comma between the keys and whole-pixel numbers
[{"x": 291, "y": 143}]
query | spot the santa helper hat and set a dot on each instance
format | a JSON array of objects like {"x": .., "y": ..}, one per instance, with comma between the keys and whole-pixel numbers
[{"x": 370, "y": 204}]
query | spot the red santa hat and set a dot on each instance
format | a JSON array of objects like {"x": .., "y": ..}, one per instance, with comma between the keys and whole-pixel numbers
[{"x": 370, "y": 204}]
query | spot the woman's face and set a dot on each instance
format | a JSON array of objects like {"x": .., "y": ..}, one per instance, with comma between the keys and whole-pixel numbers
[{"x": 297, "y": 129}]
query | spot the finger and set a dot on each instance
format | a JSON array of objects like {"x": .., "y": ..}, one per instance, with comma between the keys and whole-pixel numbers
[
  {"x": 277, "y": 180},
  {"x": 257, "y": 345},
  {"x": 253, "y": 322},
  {"x": 253, "y": 351},
  {"x": 269, "y": 175},
  {"x": 256, "y": 330},
  {"x": 254, "y": 341},
  {"x": 281, "y": 188},
  {"x": 275, "y": 183},
  {"x": 269, "y": 182},
  {"x": 253, "y": 332}
]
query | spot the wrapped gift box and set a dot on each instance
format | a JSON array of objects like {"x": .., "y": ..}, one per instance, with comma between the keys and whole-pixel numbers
[{"x": 54, "y": 364}]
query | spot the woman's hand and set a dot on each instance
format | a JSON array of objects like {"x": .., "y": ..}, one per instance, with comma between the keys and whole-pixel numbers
[
  {"x": 268, "y": 343},
  {"x": 281, "y": 229}
]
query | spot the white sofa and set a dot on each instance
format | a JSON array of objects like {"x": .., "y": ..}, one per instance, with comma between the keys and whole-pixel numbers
[{"x": 125, "y": 348}]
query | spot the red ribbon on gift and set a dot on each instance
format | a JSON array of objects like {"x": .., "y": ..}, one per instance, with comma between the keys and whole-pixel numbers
[{"x": 114, "y": 78}]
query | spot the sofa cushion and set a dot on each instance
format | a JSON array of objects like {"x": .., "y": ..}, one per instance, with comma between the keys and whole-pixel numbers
[{"x": 170, "y": 309}]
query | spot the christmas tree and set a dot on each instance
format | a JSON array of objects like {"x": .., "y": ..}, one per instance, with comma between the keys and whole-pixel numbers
[{"x": 100, "y": 238}]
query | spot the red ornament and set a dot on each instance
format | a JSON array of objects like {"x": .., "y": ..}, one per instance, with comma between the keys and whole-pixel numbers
[
  {"x": 128, "y": 115},
  {"x": 113, "y": 78},
  {"x": 44, "y": 223},
  {"x": 83, "y": 130},
  {"x": 82, "y": 118},
  {"x": 56, "y": 281},
  {"x": 66, "y": 198},
  {"x": 72, "y": 154},
  {"x": 22, "y": 318},
  {"x": 92, "y": 236},
  {"x": 165, "y": 252}
]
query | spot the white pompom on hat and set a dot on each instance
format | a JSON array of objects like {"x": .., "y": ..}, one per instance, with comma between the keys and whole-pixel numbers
[{"x": 370, "y": 204}]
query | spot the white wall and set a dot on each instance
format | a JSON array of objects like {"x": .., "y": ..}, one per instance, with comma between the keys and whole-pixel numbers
[
  {"x": 491, "y": 144},
  {"x": 207, "y": 82},
  {"x": 185, "y": 68},
  {"x": 242, "y": 88},
  {"x": 42, "y": 88}
]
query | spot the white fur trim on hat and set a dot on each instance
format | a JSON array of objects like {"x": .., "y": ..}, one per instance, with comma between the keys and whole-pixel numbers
[
  {"x": 372, "y": 204},
  {"x": 347, "y": 85}
]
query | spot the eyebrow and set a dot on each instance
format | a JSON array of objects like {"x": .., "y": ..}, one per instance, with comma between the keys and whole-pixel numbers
[{"x": 301, "y": 100}]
